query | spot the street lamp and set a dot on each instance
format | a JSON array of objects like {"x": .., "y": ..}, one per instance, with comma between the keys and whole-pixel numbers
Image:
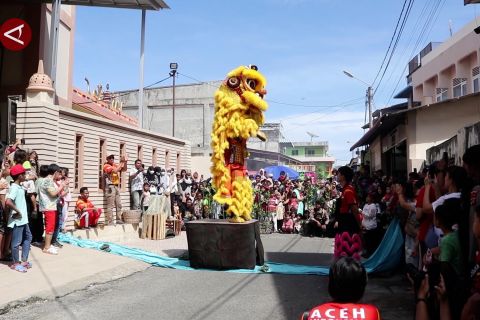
[
  {"x": 173, "y": 72},
  {"x": 369, "y": 96}
]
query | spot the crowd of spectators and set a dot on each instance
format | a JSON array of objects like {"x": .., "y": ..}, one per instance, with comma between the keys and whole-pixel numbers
[
  {"x": 33, "y": 204},
  {"x": 437, "y": 209}
]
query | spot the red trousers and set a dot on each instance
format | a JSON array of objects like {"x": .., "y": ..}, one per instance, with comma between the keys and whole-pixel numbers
[{"x": 89, "y": 218}]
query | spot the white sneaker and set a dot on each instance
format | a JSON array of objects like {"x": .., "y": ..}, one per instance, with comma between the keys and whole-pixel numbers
[{"x": 51, "y": 250}]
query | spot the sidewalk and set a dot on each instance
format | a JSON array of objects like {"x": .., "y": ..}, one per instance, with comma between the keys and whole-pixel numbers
[{"x": 53, "y": 276}]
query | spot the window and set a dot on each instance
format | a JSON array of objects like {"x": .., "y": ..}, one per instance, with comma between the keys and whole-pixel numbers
[
  {"x": 459, "y": 87},
  {"x": 101, "y": 158},
  {"x": 310, "y": 152},
  {"x": 178, "y": 162},
  {"x": 140, "y": 153},
  {"x": 154, "y": 157},
  {"x": 121, "y": 174},
  {"x": 475, "y": 79},
  {"x": 294, "y": 152},
  {"x": 442, "y": 94},
  {"x": 78, "y": 162},
  {"x": 167, "y": 160}
]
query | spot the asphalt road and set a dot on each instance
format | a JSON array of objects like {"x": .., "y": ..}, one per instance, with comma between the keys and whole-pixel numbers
[{"x": 173, "y": 294}]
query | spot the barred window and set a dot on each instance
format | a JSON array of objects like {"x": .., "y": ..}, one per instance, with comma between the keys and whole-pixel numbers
[
  {"x": 154, "y": 157},
  {"x": 78, "y": 162},
  {"x": 178, "y": 162},
  {"x": 101, "y": 159},
  {"x": 140, "y": 152},
  {"x": 121, "y": 174}
]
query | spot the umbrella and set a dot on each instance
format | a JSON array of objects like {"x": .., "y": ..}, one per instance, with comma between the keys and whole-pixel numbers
[{"x": 275, "y": 171}]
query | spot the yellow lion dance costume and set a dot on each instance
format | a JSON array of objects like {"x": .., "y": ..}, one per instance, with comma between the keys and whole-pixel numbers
[{"x": 239, "y": 108}]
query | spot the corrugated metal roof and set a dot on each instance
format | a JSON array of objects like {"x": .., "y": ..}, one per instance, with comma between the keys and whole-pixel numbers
[{"x": 127, "y": 4}]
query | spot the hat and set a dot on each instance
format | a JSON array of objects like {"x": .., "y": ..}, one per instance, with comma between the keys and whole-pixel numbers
[
  {"x": 27, "y": 165},
  {"x": 16, "y": 170},
  {"x": 111, "y": 157}
]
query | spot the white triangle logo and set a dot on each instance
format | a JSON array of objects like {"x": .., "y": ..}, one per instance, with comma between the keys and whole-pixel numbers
[{"x": 19, "y": 29}]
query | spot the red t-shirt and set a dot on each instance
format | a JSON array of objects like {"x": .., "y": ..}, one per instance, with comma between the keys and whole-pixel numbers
[
  {"x": 349, "y": 198},
  {"x": 339, "y": 311},
  {"x": 427, "y": 218}
]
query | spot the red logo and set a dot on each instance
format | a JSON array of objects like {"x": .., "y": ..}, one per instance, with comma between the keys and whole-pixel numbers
[{"x": 15, "y": 34}]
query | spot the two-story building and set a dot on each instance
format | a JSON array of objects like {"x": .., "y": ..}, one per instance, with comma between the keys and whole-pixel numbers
[
  {"x": 312, "y": 155},
  {"x": 442, "y": 96}
]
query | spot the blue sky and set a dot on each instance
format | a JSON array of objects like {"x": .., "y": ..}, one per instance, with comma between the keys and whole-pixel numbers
[{"x": 301, "y": 46}]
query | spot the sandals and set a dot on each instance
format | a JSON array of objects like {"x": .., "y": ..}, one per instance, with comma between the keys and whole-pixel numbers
[{"x": 18, "y": 267}]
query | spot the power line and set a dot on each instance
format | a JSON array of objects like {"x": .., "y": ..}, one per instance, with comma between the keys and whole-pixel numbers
[
  {"x": 404, "y": 21},
  {"x": 279, "y": 102},
  {"x": 401, "y": 59},
  {"x": 313, "y": 106},
  {"x": 390, "y": 44},
  {"x": 429, "y": 23}
]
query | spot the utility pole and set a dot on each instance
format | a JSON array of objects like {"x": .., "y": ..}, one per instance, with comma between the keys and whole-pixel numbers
[
  {"x": 369, "y": 102},
  {"x": 140, "y": 89},
  {"x": 173, "y": 72}
]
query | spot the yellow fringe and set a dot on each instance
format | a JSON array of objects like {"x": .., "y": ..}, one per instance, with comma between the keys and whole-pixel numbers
[{"x": 235, "y": 118}]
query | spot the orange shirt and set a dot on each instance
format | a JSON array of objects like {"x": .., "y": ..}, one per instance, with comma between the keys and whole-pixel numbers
[
  {"x": 112, "y": 177},
  {"x": 83, "y": 204}
]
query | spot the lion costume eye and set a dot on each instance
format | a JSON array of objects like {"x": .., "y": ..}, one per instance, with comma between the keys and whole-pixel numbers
[
  {"x": 233, "y": 82},
  {"x": 252, "y": 83}
]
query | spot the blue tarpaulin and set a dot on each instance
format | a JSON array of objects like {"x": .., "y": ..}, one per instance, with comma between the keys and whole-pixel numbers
[
  {"x": 275, "y": 171},
  {"x": 386, "y": 257}
]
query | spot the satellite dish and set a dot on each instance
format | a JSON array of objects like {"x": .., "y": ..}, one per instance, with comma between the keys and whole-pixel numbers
[{"x": 312, "y": 135}]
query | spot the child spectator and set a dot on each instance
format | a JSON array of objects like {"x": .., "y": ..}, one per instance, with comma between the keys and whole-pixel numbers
[
  {"x": 37, "y": 226},
  {"x": 297, "y": 223},
  {"x": 272, "y": 209},
  {"x": 369, "y": 225},
  {"x": 66, "y": 199},
  {"x": 280, "y": 212},
  {"x": 287, "y": 226},
  {"x": 145, "y": 196},
  {"x": 445, "y": 218},
  {"x": 347, "y": 280},
  {"x": 61, "y": 183},
  {"x": 18, "y": 220},
  {"x": 198, "y": 205}
]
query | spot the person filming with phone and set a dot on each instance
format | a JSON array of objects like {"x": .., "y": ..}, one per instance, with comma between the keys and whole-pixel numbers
[{"x": 112, "y": 172}]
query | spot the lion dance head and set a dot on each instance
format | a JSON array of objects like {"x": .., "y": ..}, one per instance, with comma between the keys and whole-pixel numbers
[{"x": 239, "y": 108}]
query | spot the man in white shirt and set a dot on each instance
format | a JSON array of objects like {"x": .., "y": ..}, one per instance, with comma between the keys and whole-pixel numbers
[{"x": 136, "y": 184}]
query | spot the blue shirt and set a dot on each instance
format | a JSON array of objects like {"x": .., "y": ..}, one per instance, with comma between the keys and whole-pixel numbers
[{"x": 17, "y": 195}]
